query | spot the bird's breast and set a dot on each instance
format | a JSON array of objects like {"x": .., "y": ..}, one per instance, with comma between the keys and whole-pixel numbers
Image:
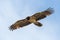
[{"x": 32, "y": 19}]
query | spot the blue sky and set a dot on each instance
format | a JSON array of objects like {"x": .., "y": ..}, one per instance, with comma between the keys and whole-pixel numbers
[{"x": 13, "y": 10}]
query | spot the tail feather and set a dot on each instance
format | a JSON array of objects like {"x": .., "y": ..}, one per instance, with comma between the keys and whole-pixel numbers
[{"x": 38, "y": 24}]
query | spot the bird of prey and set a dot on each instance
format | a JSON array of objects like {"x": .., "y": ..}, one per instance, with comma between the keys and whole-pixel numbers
[{"x": 32, "y": 19}]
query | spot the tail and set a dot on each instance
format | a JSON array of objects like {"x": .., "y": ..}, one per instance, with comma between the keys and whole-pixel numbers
[
  {"x": 38, "y": 24},
  {"x": 48, "y": 12}
]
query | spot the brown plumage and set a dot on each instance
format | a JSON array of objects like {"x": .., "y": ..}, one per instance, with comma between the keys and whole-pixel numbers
[{"x": 31, "y": 19}]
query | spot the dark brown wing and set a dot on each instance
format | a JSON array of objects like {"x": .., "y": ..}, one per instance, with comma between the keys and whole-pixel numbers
[
  {"x": 19, "y": 23},
  {"x": 41, "y": 15}
]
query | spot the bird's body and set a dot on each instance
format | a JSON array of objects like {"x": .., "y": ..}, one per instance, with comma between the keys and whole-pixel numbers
[{"x": 31, "y": 19}]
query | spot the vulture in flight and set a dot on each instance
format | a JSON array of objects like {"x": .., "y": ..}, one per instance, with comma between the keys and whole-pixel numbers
[{"x": 32, "y": 19}]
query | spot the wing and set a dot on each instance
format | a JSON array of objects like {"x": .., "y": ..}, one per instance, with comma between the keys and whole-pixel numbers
[
  {"x": 41, "y": 15},
  {"x": 18, "y": 24}
]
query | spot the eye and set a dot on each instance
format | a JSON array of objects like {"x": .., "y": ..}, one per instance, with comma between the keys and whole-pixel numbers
[{"x": 28, "y": 18}]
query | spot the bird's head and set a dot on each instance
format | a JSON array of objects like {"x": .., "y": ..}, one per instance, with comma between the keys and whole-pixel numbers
[{"x": 28, "y": 18}]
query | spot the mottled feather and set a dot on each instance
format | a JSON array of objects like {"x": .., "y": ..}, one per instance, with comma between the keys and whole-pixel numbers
[{"x": 19, "y": 24}]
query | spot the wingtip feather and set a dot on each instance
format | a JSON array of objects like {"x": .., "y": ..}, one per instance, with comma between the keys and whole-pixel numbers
[{"x": 50, "y": 11}]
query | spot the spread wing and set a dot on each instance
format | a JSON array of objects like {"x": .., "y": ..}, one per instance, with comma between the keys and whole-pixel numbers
[
  {"x": 43, "y": 14},
  {"x": 18, "y": 24}
]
